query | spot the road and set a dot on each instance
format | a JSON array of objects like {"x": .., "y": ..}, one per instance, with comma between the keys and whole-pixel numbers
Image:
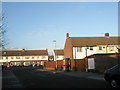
[{"x": 30, "y": 77}]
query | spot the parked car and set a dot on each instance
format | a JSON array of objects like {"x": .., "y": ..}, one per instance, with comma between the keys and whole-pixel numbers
[{"x": 112, "y": 76}]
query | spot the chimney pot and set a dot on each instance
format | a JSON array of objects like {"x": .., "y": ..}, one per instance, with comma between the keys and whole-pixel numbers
[
  {"x": 106, "y": 34},
  {"x": 67, "y": 35}
]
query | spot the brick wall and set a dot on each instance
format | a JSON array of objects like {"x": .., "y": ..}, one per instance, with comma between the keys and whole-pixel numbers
[
  {"x": 51, "y": 65},
  {"x": 80, "y": 64},
  {"x": 60, "y": 64},
  {"x": 103, "y": 62},
  {"x": 77, "y": 64},
  {"x": 68, "y": 50}
]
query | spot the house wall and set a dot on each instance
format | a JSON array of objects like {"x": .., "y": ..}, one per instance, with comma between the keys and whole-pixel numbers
[
  {"x": 57, "y": 57},
  {"x": 82, "y": 54},
  {"x": 68, "y": 50},
  {"x": 14, "y": 58},
  {"x": 106, "y": 49}
]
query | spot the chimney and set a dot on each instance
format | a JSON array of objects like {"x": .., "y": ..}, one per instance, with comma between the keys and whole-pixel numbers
[
  {"x": 106, "y": 34},
  {"x": 23, "y": 50},
  {"x": 67, "y": 35}
]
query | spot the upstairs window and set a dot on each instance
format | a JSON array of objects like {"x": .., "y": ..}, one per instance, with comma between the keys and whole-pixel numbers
[
  {"x": 91, "y": 47},
  {"x": 57, "y": 56},
  {"x": 17, "y": 57},
  {"x": 33, "y": 57},
  {"x": 79, "y": 49},
  {"x": 111, "y": 48},
  {"x": 100, "y": 47},
  {"x": 27, "y": 57},
  {"x": 37, "y": 57},
  {"x": 43, "y": 57}
]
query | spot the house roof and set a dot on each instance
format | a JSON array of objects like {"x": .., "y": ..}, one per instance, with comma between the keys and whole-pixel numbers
[
  {"x": 59, "y": 52},
  {"x": 91, "y": 41},
  {"x": 23, "y": 53}
]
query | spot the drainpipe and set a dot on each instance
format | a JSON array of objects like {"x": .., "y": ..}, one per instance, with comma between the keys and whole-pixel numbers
[
  {"x": 86, "y": 59},
  {"x": 75, "y": 58}
]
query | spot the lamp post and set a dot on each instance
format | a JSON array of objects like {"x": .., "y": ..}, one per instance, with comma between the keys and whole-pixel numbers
[{"x": 55, "y": 53}]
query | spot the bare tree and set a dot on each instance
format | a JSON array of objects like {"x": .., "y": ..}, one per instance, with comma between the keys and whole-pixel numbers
[{"x": 2, "y": 31}]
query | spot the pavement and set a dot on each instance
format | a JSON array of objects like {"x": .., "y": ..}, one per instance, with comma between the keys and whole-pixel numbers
[{"x": 80, "y": 74}]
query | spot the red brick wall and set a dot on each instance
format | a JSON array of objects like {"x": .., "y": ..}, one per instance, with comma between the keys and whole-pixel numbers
[
  {"x": 72, "y": 64},
  {"x": 68, "y": 50},
  {"x": 80, "y": 64},
  {"x": 59, "y": 63},
  {"x": 103, "y": 62},
  {"x": 51, "y": 65},
  {"x": 77, "y": 64}
]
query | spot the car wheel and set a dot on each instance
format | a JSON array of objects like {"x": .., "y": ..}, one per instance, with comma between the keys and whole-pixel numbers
[{"x": 113, "y": 83}]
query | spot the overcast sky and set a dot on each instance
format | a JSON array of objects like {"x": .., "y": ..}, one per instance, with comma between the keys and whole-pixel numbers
[{"x": 34, "y": 25}]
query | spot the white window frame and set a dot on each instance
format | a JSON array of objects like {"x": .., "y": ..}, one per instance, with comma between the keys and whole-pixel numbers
[
  {"x": 79, "y": 49},
  {"x": 111, "y": 48}
]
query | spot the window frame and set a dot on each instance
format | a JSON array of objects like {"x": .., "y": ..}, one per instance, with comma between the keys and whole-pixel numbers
[
  {"x": 79, "y": 49},
  {"x": 100, "y": 48},
  {"x": 111, "y": 48}
]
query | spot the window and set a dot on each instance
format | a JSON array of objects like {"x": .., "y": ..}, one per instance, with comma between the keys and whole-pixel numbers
[
  {"x": 17, "y": 57},
  {"x": 4, "y": 53},
  {"x": 79, "y": 49},
  {"x": 100, "y": 47},
  {"x": 37, "y": 57},
  {"x": 91, "y": 47},
  {"x": 43, "y": 57},
  {"x": 26, "y": 57},
  {"x": 11, "y": 57},
  {"x": 57, "y": 56},
  {"x": 111, "y": 48},
  {"x": 33, "y": 57}
]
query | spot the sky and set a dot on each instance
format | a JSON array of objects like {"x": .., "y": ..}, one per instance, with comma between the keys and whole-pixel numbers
[{"x": 35, "y": 25}]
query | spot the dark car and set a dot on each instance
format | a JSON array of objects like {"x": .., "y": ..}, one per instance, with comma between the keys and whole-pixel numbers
[{"x": 112, "y": 76}]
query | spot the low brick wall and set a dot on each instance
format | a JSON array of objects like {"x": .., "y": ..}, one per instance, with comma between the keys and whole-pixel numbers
[
  {"x": 50, "y": 65},
  {"x": 80, "y": 64},
  {"x": 77, "y": 64},
  {"x": 60, "y": 64}
]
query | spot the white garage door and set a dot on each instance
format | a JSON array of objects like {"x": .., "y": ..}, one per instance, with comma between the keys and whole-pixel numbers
[{"x": 91, "y": 63}]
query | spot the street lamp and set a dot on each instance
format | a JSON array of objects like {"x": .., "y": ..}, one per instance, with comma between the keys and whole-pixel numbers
[{"x": 55, "y": 53}]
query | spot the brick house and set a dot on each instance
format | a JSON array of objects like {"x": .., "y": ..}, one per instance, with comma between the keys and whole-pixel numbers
[
  {"x": 24, "y": 57},
  {"x": 80, "y": 47}
]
